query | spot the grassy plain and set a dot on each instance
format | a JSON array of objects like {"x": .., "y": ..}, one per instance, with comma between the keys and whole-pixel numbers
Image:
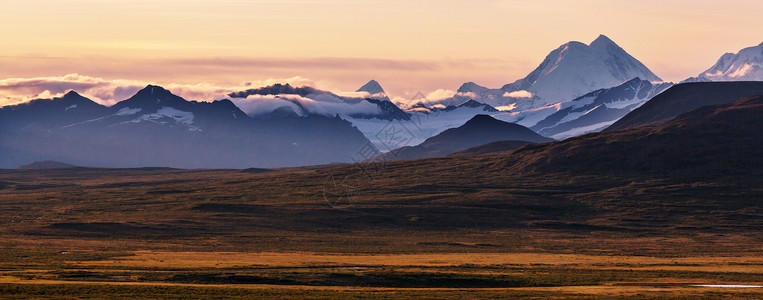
[{"x": 455, "y": 227}]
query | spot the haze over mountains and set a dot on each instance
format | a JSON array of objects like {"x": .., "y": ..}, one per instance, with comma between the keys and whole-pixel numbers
[
  {"x": 577, "y": 89},
  {"x": 716, "y": 139}
]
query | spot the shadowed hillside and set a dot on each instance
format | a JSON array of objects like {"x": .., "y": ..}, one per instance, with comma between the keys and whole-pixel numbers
[
  {"x": 712, "y": 140},
  {"x": 685, "y": 97}
]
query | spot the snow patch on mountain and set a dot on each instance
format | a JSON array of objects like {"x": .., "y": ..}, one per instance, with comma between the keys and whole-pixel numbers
[
  {"x": 126, "y": 111},
  {"x": 164, "y": 115}
]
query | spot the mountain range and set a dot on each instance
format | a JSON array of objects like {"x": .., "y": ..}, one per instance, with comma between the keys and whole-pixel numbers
[{"x": 157, "y": 128}]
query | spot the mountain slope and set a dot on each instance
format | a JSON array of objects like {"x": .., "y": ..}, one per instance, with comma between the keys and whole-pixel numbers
[
  {"x": 719, "y": 139},
  {"x": 43, "y": 114},
  {"x": 746, "y": 65},
  {"x": 685, "y": 97},
  {"x": 481, "y": 129},
  {"x": 598, "y": 109}
]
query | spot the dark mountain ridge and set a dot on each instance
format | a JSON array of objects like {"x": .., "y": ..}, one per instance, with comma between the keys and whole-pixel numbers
[
  {"x": 480, "y": 130},
  {"x": 719, "y": 139}
]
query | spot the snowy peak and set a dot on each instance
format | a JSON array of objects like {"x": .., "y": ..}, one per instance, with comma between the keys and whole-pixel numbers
[
  {"x": 575, "y": 69},
  {"x": 746, "y": 65},
  {"x": 372, "y": 87},
  {"x": 602, "y": 42}
]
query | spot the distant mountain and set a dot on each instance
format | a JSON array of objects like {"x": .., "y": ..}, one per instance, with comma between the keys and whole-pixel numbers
[
  {"x": 719, "y": 139},
  {"x": 480, "y": 130},
  {"x": 42, "y": 114},
  {"x": 683, "y": 98},
  {"x": 372, "y": 87},
  {"x": 575, "y": 69},
  {"x": 492, "y": 148},
  {"x": 746, "y": 65},
  {"x": 286, "y": 100},
  {"x": 48, "y": 164},
  {"x": 596, "y": 110},
  {"x": 470, "y": 104},
  {"x": 157, "y": 128},
  {"x": 572, "y": 70}
]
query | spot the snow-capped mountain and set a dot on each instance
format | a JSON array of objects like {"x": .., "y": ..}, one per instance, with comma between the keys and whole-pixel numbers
[
  {"x": 746, "y": 65},
  {"x": 598, "y": 109},
  {"x": 575, "y": 69},
  {"x": 157, "y": 128},
  {"x": 374, "y": 90},
  {"x": 570, "y": 71}
]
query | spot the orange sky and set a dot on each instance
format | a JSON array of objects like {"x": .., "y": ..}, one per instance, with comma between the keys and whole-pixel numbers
[{"x": 338, "y": 44}]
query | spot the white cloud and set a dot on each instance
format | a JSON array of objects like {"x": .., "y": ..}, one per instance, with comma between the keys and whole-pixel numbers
[
  {"x": 507, "y": 107},
  {"x": 262, "y": 104},
  {"x": 518, "y": 94},
  {"x": 322, "y": 104},
  {"x": 439, "y": 94},
  {"x": 111, "y": 91}
]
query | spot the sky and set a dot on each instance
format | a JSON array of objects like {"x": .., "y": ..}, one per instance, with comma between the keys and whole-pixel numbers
[{"x": 204, "y": 47}]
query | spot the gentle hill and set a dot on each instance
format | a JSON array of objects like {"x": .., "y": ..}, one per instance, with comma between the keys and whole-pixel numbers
[
  {"x": 480, "y": 130},
  {"x": 685, "y": 97},
  {"x": 48, "y": 164}
]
